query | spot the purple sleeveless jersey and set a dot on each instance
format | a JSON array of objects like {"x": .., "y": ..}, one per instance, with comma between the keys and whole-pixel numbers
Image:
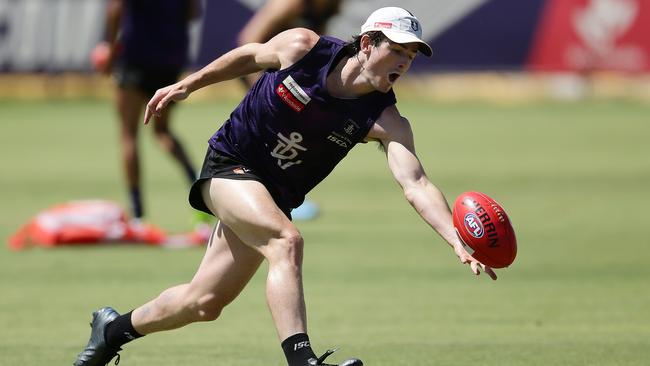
[{"x": 290, "y": 131}]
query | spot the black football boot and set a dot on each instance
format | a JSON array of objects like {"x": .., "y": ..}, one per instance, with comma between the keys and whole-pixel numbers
[
  {"x": 319, "y": 361},
  {"x": 97, "y": 352}
]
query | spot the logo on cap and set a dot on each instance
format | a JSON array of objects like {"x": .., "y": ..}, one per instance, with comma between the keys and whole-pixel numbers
[
  {"x": 387, "y": 25},
  {"x": 414, "y": 25}
]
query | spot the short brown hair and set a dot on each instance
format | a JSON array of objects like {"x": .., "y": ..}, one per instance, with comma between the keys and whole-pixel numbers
[{"x": 354, "y": 46}]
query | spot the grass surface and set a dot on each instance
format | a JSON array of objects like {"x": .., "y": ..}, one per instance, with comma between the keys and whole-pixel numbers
[{"x": 574, "y": 179}]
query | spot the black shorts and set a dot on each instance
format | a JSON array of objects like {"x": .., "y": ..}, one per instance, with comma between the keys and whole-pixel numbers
[
  {"x": 218, "y": 165},
  {"x": 144, "y": 79}
]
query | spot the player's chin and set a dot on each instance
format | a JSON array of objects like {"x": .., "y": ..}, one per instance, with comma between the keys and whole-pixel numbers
[
  {"x": 385, "y": 86},
  {"x": 382, "y": 84}
]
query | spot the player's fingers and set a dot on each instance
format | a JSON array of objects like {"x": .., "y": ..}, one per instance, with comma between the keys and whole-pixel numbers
[
  {"x": 147, "y": 115},
  {"x": 151, "y": 107},
  {"x": 463, "y": 257},
  {"x": 163, "y": 103},
  {"x": 151, "y": 111},
  {"x": 490, "y": 272},
  {"x": 160, "y": 105},
  {"x": 469, "y": 259},
  {"x": 474, "y": 266}
]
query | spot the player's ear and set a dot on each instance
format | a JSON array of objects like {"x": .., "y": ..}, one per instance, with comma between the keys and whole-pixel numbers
[{"x": 365, "y": 44}]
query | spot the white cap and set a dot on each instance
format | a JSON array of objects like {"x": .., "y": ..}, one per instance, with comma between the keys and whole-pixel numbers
[{"x": 398, "y": 25}]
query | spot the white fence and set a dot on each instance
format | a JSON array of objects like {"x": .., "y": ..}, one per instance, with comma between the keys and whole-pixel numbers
[{"x": 49, "y": 35}]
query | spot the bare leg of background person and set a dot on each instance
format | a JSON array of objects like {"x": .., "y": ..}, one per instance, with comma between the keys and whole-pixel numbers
[
  {"x": 272, "y": 18},
  {"x": 130, "y": 103},
  {"x": 172, "y": 144}
]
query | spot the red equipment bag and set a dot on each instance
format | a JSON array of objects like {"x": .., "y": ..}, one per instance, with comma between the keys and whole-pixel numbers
[{"x": 84, "y": 222}]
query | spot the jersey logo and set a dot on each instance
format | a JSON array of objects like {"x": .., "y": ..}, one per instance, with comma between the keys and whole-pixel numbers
[
  {"x": 287, "y": 150},
  {"x": 344, "y": 139},
  {"x": 292, "y": 94},
  {"x": 351, "y": 127},
  {"x": 341, "y": 142}
]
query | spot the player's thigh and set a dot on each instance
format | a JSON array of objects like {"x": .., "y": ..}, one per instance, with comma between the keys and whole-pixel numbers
[
  {"x": 247, "y": 208},
  {"x": 226, "y": 268}
]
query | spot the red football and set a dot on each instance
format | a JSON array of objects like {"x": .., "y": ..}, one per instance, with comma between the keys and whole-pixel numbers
[{"x": 484, "y": 226}]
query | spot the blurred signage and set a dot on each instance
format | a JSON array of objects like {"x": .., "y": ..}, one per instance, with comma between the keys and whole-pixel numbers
[
  {"x": 545, "y": 35},
  {"x": 49, "y": 35},
  {"x": 591, "y": 35}
]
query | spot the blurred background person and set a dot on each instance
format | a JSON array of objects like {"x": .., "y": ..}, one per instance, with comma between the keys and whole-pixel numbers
[
  {"x": 145, "y": 48},
  {"x": 276, "y": 16}
]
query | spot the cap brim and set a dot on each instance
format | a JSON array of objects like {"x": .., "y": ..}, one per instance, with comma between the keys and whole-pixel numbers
[{"x": 403, "y": 37}]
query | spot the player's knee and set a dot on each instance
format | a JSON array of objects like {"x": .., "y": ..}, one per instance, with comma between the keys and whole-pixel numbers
[
  {"x": 205, "y": 309},
  {"x": 129, "y": 145},
  {"x": 292, "y": 244},
  {"x": 288, "y": 248},
  {"x": 208, "y": 314}
]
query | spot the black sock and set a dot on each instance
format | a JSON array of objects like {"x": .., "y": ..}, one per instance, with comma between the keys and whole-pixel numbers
[
  {"x": 297, "y": 349},
  {"x": 120, "y": 331},
  {"x": 136, "y": 202}
]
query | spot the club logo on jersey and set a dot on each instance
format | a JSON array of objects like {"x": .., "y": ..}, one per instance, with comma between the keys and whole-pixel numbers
[
  {"x": 287, "y": 149},
  {"x": 292, "y": 94},
  {"x": 473, "y": 225},
  {"x": 351, "y": 127},
  {"x": 344, "y": 139}
]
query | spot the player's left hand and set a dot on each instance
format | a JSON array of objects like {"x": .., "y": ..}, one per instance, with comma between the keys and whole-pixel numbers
[
  {"x": 474, "y": 264},
  {"x": 161, "y": 99}
]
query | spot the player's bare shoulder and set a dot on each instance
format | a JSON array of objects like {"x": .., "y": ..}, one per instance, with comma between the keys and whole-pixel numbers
[
  {"x": 294, "y": 44},
  {"x": 391, "y": 126}
]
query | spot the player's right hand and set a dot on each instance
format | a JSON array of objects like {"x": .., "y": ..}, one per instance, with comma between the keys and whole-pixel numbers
[
  {"x": 161, "y": 99},
  {"x": 474, "y": 264}
]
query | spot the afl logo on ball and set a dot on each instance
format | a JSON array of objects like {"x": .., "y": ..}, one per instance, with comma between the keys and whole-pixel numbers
[{"x": 473, "y": 225}]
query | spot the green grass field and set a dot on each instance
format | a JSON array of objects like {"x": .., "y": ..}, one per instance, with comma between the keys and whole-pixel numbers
[{"x": 575, "y": 179}]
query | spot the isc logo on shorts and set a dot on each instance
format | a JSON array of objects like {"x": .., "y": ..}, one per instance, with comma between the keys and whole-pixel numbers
[{"x": 473, "y": 225}]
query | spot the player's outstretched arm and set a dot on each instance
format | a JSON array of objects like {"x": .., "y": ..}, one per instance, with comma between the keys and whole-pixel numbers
[
  {"x": 395, "y": 134},
  {"x": 279, "y": 52}
]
